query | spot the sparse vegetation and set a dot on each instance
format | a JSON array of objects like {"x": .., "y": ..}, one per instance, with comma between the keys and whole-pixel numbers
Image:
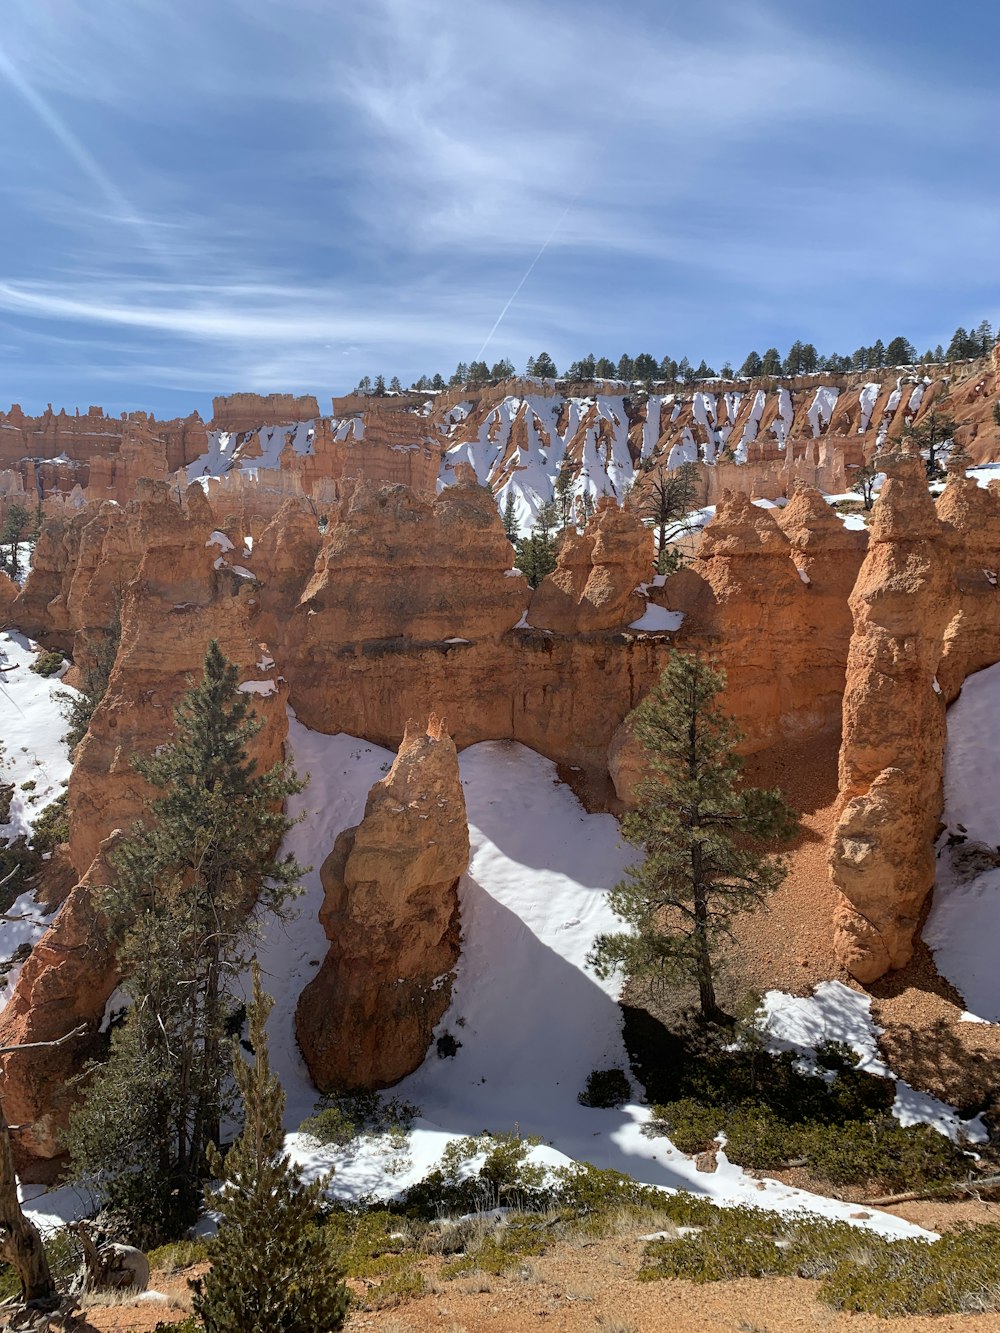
[
  {"x": 47, "y": 663},
  {"x": 605, "y": 1088}
]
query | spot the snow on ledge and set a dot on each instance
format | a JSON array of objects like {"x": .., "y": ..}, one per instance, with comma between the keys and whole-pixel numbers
[
  {"x": 658, "y": 620},
  {"x": 261, "y": 687}
]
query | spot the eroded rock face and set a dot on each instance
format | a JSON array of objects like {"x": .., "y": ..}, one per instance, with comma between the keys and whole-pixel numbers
[
  {"x": 398, "y": 565},
  {"x": 390, "y": 911},
  {"x": 597, "y": 572},
  {"x": 65, "y": 981},
  {"x": 882, "y": 857}
]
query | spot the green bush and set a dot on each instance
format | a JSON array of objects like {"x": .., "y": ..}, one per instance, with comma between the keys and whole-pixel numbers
[
  {"x": 605, "y": 1088},
  {"x": 52, "y": 826},
  {"x": 342, "y": 1117},
  {"x": 47, "y": 663},
  {"x": 179, "y": 1254},
  {"x": 505, "y": 1179}
]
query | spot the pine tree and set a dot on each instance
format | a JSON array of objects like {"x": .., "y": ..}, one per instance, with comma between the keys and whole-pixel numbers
[
  {"x": 394, "y": 385},
  {"x": 900, "y": 352},
  {"x": 438, "y": 382},
  {"x": 752, "y": 366},
  {"x": 958, "y": 348},
  {"x": 865, "y": 476},
  {"x": 364, "y": 385},
  {"x": 536, "y": 554},
  {"x": 644, "y": 367},
  {"x": 703, "y": 836},
  {"x": 545, "y": 367},
  {"x": 666, "y": 500},
  {"x": 460, "y": 375},
  {"x": 272, "y": 1268},
  {"x": 379, "y": 389},
  {"x": 16, "y": 526},
  {"x": 503, "y": 369},
  {"x": 564, "y": 494},
  {"x": 793, "y": 361},
  {"x": 984, "y": 338},
  {"x": 510, "y": 517},
  {"x": 624, "y": 368},
  {"x": 771, "y": 362},
  {"x": 930, "y": 436},
  {"x": 179, "y": 914},
  {"x": 668, "y": 369}
]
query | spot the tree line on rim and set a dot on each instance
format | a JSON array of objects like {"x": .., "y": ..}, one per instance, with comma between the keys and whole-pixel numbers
[{"x": 801, "y": 359}]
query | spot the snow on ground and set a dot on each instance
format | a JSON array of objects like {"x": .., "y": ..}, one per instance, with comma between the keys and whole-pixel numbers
[
  {"x": 31, "y": 732},
  {"x": 834, "y": 1012},
  {"x": 964, "y": 921},
  {"x": 531, "y": 1019}
]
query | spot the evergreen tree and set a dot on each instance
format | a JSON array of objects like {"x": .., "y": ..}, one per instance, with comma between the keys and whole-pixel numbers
[
  {"x": 510, "y": 517},
  {"x": 685, "y": 371},
  {"x": 793, "y": 361},
  {"x": 939, "y": 354},
  {"x": 503, "y": 369},
  {"x": 604, "y": 369},
  {"x": 585, "y": 507},
  {"x": 644, "y": 367},
  {"x": 752, "y": 366},
  {"x": 771, "y": 362},
  {"x": 16, "y": 528},
  {"x": 272, "y": 1268},
  {"x": 900, "y": 352},
  {"x": 364, "y": 385},
  {"x": 809, "y": 360},
  {"x": 564, "y": 494},
  {"x": 958, "y": 348},
  {"x": 703, "y": 836},
  {"x": 704, "y": 371},
  {"x": 666, "y": 500},
  {"x": 536, "y": 554},
  {"x": 461, "y": 374},
  {"x": 623, "y": 371},
  {"x": 479, "y": 372},
  {"x": 860, "y": 360},
  {"x": 727, "y": 370},
  {"x": 668, "y": 369},
  {"x": 545, "y": 367},
  {"x": 876, "y": 354},
  {"x": 984, "y": 338},
  {"x": 394, "y": 385},
  {"x": 529, "y": 368},
  {"x": 180, "y": 916},
  {"x": 379, "y": 389},
  {"x": 438, "y": 382}
]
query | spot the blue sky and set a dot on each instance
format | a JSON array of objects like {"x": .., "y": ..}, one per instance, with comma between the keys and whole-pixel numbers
[{"x": 203, "y": 196}]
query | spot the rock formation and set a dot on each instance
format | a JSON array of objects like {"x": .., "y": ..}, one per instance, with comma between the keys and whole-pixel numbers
[
  {"x": 398, "y": 565},
  {"x": 882, "y": 857},
  {"x": 597, "y": 571},
  {"x": 390, "y": 912},
  {"x": 65, "y": 982}
]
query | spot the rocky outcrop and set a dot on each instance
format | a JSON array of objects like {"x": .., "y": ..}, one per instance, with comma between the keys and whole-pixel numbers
[
  {"x": 397, "y": 565},
  {"x": 882, "y": 858},
  {"x": 65, "y": 982},
  {"x": 390, "y": 911},
  {"x": 593, "y": 586}
]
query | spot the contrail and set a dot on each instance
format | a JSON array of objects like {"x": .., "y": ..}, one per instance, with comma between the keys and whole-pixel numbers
[
  {"x": 527, "y": 274},
  {"x": 88, "y": 164}
]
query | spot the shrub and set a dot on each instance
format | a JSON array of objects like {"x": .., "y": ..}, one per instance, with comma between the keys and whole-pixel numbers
[
  {"x": 605, "y": 1088},
  {"x": 52, "y": 826},
  {"x": 505, "y": 1178},
  {"x": 342, "y": 1117},
  {"x": 47, "y": 663}
]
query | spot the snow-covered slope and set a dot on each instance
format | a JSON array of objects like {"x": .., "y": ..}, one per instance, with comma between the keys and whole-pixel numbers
[
  {"x": 964, "y": 922},
  {"x": 531, "y": 1020}
]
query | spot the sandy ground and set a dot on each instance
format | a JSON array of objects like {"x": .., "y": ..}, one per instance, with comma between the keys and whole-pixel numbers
[{"x": 790, "y": 947}]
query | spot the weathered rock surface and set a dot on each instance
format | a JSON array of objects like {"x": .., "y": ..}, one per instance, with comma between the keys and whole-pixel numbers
[
  {"x": 391, "y": 914},
  {"x": 398, "y": 565},
  {"x": 597, "y": 572},
  {"x": 66, "y": 981},
  {"x": 882, "y": 857}
]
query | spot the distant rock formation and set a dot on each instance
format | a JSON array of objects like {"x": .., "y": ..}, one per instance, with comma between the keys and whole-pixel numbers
[
  {"x": 390, "y": 912},
  {"x": 593, "y": 586}
]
